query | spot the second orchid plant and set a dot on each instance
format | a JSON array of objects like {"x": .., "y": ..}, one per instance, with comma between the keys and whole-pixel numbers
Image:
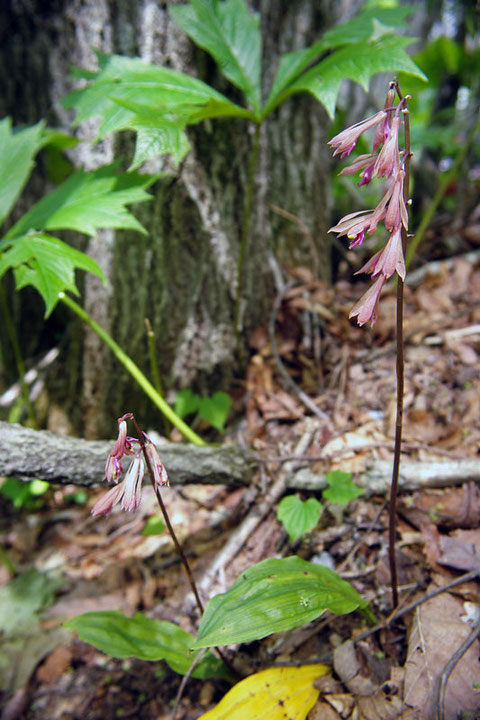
[{"x": 387, "y": 160}]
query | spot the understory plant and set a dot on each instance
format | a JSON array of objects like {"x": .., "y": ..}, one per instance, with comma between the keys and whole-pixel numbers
[
  {"x": 159, "y": 104},
  {"x": 387, "y": 160}
]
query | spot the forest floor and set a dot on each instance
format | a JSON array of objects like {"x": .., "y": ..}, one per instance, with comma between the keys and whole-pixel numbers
[{"x": 349, "y": 374}]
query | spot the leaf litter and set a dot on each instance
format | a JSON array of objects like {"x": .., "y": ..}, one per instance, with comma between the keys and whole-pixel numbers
[{"x": 349, "y": 374}]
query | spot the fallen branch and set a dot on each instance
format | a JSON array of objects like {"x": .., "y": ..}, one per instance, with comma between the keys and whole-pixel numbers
[{"x": 29, "y": 455}]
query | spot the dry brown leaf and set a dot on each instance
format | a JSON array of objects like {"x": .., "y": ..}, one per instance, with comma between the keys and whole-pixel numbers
[
  {"x": 55, "y": 665},
  {"x": 436, "y": 632},
  {"x": 461, "y": 551}
]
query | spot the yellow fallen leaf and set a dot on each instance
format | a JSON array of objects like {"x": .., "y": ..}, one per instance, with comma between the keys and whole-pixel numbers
[{"x": 276, "y": 694}]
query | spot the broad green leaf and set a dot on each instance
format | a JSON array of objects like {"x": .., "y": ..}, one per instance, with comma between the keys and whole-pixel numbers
[
  {"x": 165, "y": 139},
  {"x": 358, "y": 62},
  {"x": 298, "y": 517},
  {"x": 17, "y": 150},
  {"x": 230, "y": 33},
  {"x": 362, "y": 28},
  {"x": 341, "y": 488},
  {"x": 274, "y": 596},
  {"x": 141, "y": 637},
  {"x": 215, "y": 409},
  {"x": 276, "y": 694},
  {"x": 46, "y": 263},
  {"x": 87, "y": 201},
  {"x": 186, "y": 402}
]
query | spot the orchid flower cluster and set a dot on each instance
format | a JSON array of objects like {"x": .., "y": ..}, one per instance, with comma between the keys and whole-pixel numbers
[
  {"x": 129, "y": 490},
  {"x": 388, "y": 161}
]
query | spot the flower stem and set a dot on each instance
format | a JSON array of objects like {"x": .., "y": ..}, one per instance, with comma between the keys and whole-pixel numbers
[
  {"x": 134, "y": 371},
  {"x": 400, "y": 368},
  {"x": 178, "y": 547},
  {"x": 169, "y": 525},
  {"x": 245, "y": 229}
]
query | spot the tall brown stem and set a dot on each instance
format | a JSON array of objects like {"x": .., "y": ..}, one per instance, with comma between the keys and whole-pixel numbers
[{"x": 400, "y": 375}]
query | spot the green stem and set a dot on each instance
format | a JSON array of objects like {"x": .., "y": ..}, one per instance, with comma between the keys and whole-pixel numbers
[
  {"x": 245, "y": 228},
  {"x": 134, "y": 371},
  {"x": 438, "y": 197},
  {"x": 17, "y": 353}
]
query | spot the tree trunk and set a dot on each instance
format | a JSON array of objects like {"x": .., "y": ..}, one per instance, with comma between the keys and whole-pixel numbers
[{"x": 182, "y": 276}]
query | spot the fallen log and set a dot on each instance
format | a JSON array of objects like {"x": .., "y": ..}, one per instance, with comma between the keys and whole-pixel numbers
[{"x": 38, "y": 454}]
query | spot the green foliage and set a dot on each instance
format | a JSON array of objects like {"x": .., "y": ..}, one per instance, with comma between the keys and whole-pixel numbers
[
  {"x": 23, "y": 599},
  {"x": 298, "y": 517},
  {"x": 213, "y": 409},
  {"x": 341, "y": 488},
  {"x": 24, "y": 494},
  {"x": 159, "y": 103},
  {"x": 17, "y": 150},
  {"x": 274, "y": 596},
  {"x": 85, "y": 202},
  {"x": 153, "y": 526},
  {"x": 144, "y": 638}
]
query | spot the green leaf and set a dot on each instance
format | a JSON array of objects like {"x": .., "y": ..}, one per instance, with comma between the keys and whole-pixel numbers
[
  {"x": 87, "y": 201},
  {"x": 215, "y": 409},
  {"x": 17, "y": 150},
  {"x": 298, "y": 517},
  {"x": 144, "y": 638},
  {"x": 231, "y": 34},
  {"x": 360, "y": 29},
  {"x": 46, "y": 263},
  {"x": 274, "y": 596},
  {"x": 358, "y": 62},
  {"x": 22, "y": 599},
  {"x": 341, "y": 488},
  {"x": 153, "y": 526},
  {"x": 186, "y": 402}
]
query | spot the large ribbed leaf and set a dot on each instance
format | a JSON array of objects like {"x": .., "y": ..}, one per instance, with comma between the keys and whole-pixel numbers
[
  {"x": 274, "y": 596},
  {"x": 144, "y": 638},
  {"x": 277, "y": 693}
]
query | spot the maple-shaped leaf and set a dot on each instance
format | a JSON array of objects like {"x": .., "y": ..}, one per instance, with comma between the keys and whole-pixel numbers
[
  {"x": 46, "y": 263},
  {"x": 88, "y": 201}
]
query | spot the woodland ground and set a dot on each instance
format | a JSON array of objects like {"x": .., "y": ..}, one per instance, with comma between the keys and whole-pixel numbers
[{"x": 349, "y": 373}]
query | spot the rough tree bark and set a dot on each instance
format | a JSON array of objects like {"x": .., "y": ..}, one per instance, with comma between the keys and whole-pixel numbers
[{"x": 182, "y": 276}]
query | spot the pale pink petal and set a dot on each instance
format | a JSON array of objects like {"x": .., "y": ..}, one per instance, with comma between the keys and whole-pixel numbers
[{"x": 367, "y": 307}]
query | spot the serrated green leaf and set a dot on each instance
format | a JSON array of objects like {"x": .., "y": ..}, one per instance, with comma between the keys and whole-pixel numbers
[
  {"x": 357, "y": 62},
  {"x": 298, "y": 517},
  {"x": 215, "y": 409},
  {"x": 362, "y": 28},
  {"x": 274, "y": 596},
  {"x": 129, "y": 93},
  {"x": 230, "y": 33},
  {"x": 46, "y": 263},
  {"x": 17, "y": 150},
  {"x": 141, "y": 637},
  {"x": 87, "y": 201},
  {"x": 159, "y": 141},
  {"x": 341, "y": 488}
]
